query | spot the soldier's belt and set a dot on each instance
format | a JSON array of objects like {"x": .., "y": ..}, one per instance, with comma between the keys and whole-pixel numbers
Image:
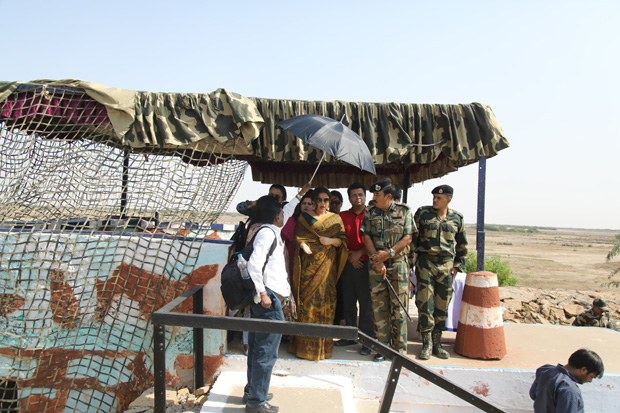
[{"x": 436, "y": 257}]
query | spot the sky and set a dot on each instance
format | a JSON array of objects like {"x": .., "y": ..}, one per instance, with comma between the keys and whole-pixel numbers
[{"x": 548, "y": 69}]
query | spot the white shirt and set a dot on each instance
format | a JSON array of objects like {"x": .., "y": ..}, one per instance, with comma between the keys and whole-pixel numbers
[{"x": 275, "y": 276}]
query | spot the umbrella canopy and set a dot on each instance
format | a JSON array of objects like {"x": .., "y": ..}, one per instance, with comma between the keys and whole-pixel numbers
[{"x": 333, "y": 138}]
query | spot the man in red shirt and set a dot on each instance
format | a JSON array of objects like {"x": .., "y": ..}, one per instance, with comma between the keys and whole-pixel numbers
[{"x": 354, "y": 281}]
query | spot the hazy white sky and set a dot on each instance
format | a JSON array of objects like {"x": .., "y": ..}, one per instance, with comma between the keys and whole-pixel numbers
[{"x": 548, "y": 69}]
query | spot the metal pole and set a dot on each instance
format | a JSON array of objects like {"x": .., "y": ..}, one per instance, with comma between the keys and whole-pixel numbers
[
  {"x": 159, "y": 366},
  {"x": 199, "y": 374},
  {"x": 124, "y": 184},
  {"x": 390, "y": 386},
  {"x": 482, "y": 169}
]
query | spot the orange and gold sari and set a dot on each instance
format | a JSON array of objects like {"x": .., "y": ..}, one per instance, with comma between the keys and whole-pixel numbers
[{"x": 314, "y": 280}]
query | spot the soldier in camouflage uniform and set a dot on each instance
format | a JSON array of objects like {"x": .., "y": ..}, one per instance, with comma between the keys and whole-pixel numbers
[
  {"x": 387, "y": 230},
  {"x": 597, "y": 316},
  {"x": 441, "y": 248}
]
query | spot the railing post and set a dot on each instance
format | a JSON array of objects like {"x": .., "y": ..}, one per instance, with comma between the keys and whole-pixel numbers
[
  {"x": 159, "y": 365},
  {"x": 390, "y": 386},
  {"x": 199, "y": 374}
]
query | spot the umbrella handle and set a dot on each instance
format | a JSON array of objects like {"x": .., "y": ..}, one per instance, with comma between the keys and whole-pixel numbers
[{"x": 317, "y": 168}]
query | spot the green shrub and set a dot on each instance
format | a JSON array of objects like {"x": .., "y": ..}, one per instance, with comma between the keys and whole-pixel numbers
[{"x": 494, "y": 265}]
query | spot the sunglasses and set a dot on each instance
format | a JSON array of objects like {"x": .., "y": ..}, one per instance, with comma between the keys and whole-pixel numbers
[{"x": 322, "y": 200}]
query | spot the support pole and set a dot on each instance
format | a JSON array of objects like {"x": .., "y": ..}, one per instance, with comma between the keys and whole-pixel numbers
[
  {"x": 159, "y": 362},
  {"x": 482, "y": 169},
  {"x": 124, "y": 184},
  {"x": 199, "y": 373}
]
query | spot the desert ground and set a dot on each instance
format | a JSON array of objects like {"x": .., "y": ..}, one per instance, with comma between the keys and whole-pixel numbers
[{"x": 570, "y": 259}]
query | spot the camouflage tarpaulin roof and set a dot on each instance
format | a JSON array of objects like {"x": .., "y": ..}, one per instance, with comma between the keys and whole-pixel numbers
[
  {"x": 409, "y": 142},
  {"x": 140, "y": 120}
]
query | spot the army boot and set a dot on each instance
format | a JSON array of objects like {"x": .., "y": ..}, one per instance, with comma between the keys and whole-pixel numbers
[
  {"x": 437, "y": 350},
  {"x": 427, "y": 346}
]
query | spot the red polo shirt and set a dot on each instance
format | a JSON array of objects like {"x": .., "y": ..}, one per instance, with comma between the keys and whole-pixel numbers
[{"x": 352, "y": 224}]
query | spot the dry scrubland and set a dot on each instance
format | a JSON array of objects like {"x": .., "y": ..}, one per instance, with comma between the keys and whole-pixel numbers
[{"x": 571, "y": 259}]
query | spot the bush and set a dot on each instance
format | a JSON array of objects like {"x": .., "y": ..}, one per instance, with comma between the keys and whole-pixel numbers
[{"x": 494, "y": 265}]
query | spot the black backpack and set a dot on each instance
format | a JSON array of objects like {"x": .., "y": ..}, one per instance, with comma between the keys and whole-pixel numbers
[
  {"x": 239, "y": 237},
  {"x": 238, "y": 292}
]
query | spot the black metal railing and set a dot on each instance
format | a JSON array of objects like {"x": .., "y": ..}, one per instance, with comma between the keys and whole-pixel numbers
[{"x": 198, "y": 321}]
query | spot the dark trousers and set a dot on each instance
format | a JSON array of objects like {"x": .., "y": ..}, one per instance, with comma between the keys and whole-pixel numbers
[
  {"x": 262, "y": 352},
  {"x": 356, "y": 289}
]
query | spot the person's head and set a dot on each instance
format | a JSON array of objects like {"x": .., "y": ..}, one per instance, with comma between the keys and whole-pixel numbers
[
  {"x": 599, "y": 306},
  {"x": 442, "y": 195},
  {"x": 357, "y": 195},
  {"x": 335, "y": 201},
  {"x": 269, "y": 211},
  {"x": 586, "y": 365},
  {"x": 383, "y": 193},
  {"x": 278, "y": 191},
  {"x": 305, "y": 204},
  {"x": 320, "y": 197}
]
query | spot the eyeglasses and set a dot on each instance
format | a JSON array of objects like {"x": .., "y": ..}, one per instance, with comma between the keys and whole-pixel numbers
[
  {"x": 356, "y": 195},
  {"x": 335, "y": 202},
  {"x": 322, "y": 200}
]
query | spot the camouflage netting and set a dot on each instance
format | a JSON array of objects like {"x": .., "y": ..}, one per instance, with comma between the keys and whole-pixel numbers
[{"x": 95, "y": 234}]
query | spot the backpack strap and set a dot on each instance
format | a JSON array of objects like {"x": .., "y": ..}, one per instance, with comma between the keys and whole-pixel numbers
[{"x": 273, "y": 245}]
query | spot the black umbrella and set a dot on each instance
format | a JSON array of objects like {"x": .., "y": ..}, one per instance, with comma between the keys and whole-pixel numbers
[{"x": 332, "y": 137}]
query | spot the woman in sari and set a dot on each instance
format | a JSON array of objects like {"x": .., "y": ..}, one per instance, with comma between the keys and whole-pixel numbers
[{"x": 320, "y": 253}]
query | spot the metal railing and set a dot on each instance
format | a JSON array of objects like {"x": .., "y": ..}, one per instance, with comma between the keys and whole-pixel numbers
[{"x": 198, "y": 321}]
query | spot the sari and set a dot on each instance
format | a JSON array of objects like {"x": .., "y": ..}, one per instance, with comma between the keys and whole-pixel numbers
[{"x": 314, "y": 280}]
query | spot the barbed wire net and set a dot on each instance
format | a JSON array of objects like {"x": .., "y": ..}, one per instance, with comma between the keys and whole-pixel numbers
[{"x": 93, "y": 238}]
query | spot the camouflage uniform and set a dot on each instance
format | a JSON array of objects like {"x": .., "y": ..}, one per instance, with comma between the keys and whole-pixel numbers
[
  {"x": 386, "y": 228},
  {"x": 441, "y": 245},
  {"x": 590, "y": 319}
]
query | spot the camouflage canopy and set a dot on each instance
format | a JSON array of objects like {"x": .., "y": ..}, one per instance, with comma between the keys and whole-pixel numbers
[{"x": 409, "y": 142}]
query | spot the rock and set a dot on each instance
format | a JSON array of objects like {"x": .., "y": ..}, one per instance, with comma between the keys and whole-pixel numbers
[
  {"x": 182, "y": 395},
  {"x": 513, "y": 305},
  {"x": 533, "y": 305},
  {"x": 139, "y": 410},
  {"x": 200, "y": 391},
  {"x": 147, "y": 399},
  {"x": 558, "y": 313},
  {"x": 572, "y": 310}
]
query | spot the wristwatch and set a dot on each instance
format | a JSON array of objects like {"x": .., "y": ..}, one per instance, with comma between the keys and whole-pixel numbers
[{"x": 392, "y": 253}]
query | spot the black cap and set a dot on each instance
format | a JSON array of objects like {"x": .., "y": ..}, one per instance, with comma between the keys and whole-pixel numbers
[
  {"x": 380, "y": 185},
  {"x": 443, "y": 190},
  {"x": 600, "y": 303}
]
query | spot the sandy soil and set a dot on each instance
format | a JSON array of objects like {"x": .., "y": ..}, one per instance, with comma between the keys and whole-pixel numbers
[{"x": 569, "y": 259}]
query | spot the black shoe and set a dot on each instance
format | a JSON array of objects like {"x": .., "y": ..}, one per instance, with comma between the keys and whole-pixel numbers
[
  {"x": 263, "y": 408},
  {"x": 379, "y": 357},
  {"x": 365, "y": 351},
  {"x": 245, "y": 400},
  {"x": 342, "y": 343}
]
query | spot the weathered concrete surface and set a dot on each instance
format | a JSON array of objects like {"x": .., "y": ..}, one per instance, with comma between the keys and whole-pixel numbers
[{"x": 353, "y": 383}]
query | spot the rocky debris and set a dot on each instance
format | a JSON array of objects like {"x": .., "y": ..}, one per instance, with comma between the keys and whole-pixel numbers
[
  {"x": 538, "y": 306},
  {"x": 177, "y": 401}
]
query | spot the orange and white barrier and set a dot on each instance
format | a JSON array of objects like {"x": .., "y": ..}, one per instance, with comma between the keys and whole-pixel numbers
[{"x": 480, "y": 332}]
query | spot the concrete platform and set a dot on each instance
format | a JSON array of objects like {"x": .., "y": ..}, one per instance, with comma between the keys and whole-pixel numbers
[{"x": 350, "y": 382}]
